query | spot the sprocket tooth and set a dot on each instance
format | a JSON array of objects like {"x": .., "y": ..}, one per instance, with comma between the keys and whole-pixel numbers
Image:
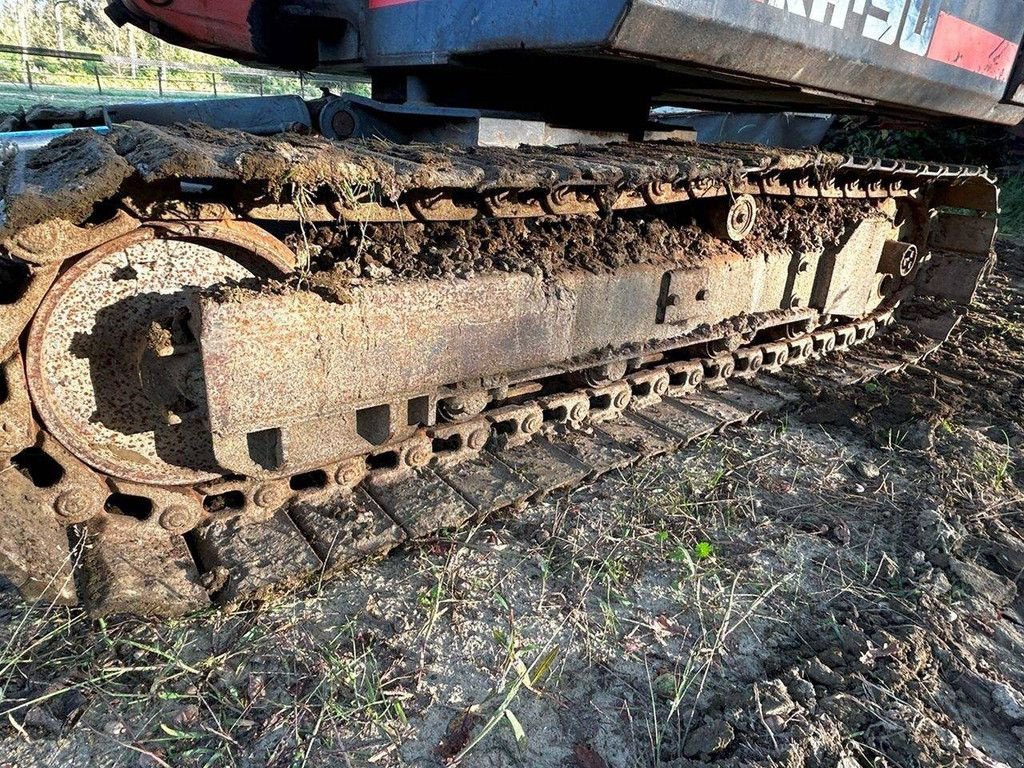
[
  {"x": 347, "y": 530},
  {"x": 34, "y": 553},
  {"x": 488, "y": 484},
  {"x": 245, "y": 560},
  {"x": 545, "y": 465},
  {"x": 421, "y": 503},
  {"x": 131, "y": 567}
]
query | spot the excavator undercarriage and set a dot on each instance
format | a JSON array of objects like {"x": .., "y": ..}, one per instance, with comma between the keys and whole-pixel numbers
[{"x": 233, "y": 362}]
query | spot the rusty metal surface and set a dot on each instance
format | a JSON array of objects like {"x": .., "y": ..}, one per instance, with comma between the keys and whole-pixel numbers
[
  {"x": 57, "y": 240},
  {"x": 16, "y": 426},
  {"x": 91, "y": 344},
  {"x": 341, "y": 379},
  {"x": 390, "y": 347},
  {"x": 16, "y": 316},
  {"x": 133, "y": 570},
  {"x": 34, "y": 552}
]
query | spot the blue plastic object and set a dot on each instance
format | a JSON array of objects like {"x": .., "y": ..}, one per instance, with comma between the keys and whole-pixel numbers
[{"x": 25, "y": 140}]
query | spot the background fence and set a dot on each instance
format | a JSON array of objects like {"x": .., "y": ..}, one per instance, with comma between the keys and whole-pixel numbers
[{"x": 81, "y": 78}]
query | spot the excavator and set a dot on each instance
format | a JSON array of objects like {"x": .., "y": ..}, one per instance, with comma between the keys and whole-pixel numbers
[{"x": 250, "y": 342}]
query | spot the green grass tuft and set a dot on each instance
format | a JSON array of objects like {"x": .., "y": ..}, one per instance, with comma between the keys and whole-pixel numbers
[{"x": 1011, "y": 217}]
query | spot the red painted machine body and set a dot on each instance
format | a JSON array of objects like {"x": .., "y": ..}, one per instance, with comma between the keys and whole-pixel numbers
[{"x": 220, "y": 26}]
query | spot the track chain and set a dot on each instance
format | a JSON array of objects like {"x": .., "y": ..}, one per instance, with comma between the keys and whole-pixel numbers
[
  {"x": 257, "y": 538},
  {"x": 322, "y": 532}
]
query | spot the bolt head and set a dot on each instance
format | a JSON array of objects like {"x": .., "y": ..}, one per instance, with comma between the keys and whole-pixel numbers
[
  {"x": 269, "y": 496},
  {"x": 478, "y": 439},
  {"x": 71, "y": 505},
  {"x": 660, "y": 386},
  {"x": 621, "y": 400},
  {"x": 418, "y": 456},
  {"x": 532, "y": 423},
  {"x": 348, "y": 475},
  {"x": 579, "y": 412},
  {"x": 176, "y": 518}
]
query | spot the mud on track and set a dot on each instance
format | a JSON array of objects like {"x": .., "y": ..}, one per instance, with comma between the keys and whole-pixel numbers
[
  {"x": 858, "y": 605},
  {"x": 672, "y": 235}
]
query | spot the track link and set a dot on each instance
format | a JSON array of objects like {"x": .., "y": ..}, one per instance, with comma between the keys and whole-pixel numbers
[{"x": 237, "y": 539}]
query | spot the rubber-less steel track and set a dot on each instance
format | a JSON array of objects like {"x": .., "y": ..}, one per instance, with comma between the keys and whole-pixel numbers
[{"x": 237, "y": 538}]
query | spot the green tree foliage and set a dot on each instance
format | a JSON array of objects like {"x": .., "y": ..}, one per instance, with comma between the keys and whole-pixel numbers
[
  {"x": 84, "y": 27},
  {"x": 136, "y": 65}
]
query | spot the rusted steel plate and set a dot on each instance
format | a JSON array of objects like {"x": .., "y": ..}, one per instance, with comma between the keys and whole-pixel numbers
[
  {"x": 644, "y": 436},
  {"x": 129, "y": 567},
  {"x": 421, "y": 503},
  {"x": 306, "y": 371},
  {"x": 16, "y": 427},
  {"x": 545, "y": 465},
  {"x": 954, "y": 276},
  {"x": 598, "y": 450},
  {"x": 750, "y": 399},
  {"x": 346, "y": 530},
  {"x": 962, "y": 233},
  {"x": 244, "y": 561},
  {"x": 488, "y": 484},
  {"x": 675, "y": 416},
  {"x": 34, "y": 552},
  {"x": 725, "y": 414},
  {"x": 15, "y": 317}
]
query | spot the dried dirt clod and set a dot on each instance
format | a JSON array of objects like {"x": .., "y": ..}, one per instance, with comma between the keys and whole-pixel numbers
[
  {"x": 938, "y": 533},
  {"x": 775, "y": 700},
  {"x": 817, "y": 672},
  {"x": 710, "y": 739},
  {"x": 541, "y": 536},
  {"x": 801, "y": 690},
  {"x": 1009, "y": 702},
  {"x": 983, "y": 582},
  {"x": 585, "y": 756},
  {"x": 65, "y": 179},
  {"x": 867, "y": 469}
]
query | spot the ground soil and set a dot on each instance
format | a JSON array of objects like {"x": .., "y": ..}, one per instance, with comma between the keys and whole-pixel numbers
[{"x": 837, "y": 587}]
